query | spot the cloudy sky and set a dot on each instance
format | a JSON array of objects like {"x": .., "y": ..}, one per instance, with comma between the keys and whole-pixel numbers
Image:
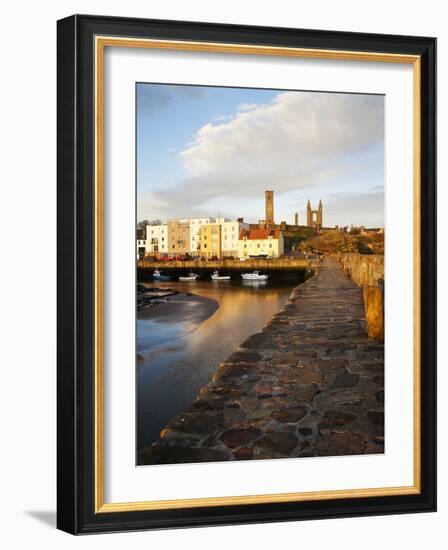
[{"x": 206, "y": 151}]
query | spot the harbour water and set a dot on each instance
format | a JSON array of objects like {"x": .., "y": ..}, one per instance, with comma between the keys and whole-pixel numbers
[{"x": 181, "y": 343}]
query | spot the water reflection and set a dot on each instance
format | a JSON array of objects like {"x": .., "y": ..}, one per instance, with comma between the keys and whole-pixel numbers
[{"x": 179, "y": 351}]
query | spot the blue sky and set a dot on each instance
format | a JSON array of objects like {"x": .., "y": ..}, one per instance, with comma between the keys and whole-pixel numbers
[{"x": 204, "y": 151}]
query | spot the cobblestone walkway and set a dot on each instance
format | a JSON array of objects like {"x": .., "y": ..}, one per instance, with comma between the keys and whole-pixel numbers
[{"x": 309, "y": 384}]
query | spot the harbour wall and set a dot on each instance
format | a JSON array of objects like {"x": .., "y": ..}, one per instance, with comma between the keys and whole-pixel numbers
[{"x": 367, "y": 271}]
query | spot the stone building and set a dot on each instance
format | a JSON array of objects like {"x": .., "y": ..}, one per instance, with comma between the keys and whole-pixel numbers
[
  {"x": 179, "y": 237},
  {"x": 314, "y": 217}
]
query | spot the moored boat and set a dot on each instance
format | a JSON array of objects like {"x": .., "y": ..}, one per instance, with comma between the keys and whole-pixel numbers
[
  {"x": 254, "y": 276},
  {"x": 217, "y": 277},
  {"x": 157, "y": 275},
  {"x": 189, "y": 277}
]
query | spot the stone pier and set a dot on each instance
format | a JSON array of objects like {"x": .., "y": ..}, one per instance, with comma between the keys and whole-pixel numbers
[{"x": 311, "y": 383}]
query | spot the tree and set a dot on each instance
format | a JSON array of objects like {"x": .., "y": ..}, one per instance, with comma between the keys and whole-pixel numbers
[{"x": 144, "y": 223}]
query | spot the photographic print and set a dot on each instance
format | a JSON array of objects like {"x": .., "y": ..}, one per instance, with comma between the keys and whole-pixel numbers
[
  {"x": 260, "y": 274},
  {"x": 230, "y": 347}
]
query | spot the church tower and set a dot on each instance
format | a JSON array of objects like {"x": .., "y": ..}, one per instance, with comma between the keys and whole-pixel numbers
[
  {"x": 319, "y": 215},
  {"x": 269, "y": 196},
  {"x": 309, "y": 214},
  {"x": 314, "y": 218}
]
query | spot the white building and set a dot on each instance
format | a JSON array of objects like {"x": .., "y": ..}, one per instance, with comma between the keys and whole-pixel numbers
[
  {"x": 230, "y": 233},
  {"x": 141, "y": 244},
  {"x": 255, "y": 243},
  {"x": 157, "y": 239}
]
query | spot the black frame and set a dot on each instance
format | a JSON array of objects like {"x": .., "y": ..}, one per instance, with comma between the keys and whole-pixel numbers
[{"x": 75, "y": 172}]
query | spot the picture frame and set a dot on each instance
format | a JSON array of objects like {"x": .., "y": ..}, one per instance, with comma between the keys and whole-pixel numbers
[{"x": 82, "y": 41}]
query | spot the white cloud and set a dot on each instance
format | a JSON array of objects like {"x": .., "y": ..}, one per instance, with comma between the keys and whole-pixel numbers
[
  {"x": 298, "y": 140},
  {"x": 290, "y": 139},
  {"x": 247, "y": 106}
]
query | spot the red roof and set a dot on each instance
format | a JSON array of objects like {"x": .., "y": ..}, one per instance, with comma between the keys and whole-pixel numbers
[{"x": 259, "y": 234}]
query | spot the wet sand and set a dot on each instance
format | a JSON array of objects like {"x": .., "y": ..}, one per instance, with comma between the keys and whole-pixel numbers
[{"x": 184, "y": 307}]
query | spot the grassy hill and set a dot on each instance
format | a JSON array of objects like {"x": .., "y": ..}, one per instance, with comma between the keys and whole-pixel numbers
[{"x": 333, "y": 242}]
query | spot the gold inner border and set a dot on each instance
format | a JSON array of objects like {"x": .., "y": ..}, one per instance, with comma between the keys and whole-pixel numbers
[{"x": 101, "y": 42}]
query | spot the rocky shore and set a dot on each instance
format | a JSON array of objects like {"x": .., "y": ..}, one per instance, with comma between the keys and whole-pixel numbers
[{"x": 311, "y": 383}]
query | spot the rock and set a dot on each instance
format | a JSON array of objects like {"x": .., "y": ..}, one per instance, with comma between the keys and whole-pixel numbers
[
  {"x": 336, "y": 418},
  {"x": 337, "y": 444},
  {"x": 191, "y": 423},
  {"x": 301, "y": 375},
  {"x": 229, "y": 370},
  {"x": 346, "y": 380},
  {"x": 263, "y": 389},
  {"x": 291, "y": 415},
  {"x": 304, "y": 392},
  {"x": 334, "y": 363},
  {"x": 276, "y": 444},
  {"x": 254, "y": 341},
  {"x": 380, "y": 396},
  {"x": 376, "y": 417},
  {"x": 243, "y": 453},
  {"x": 244, "y": 357},
  {"x": 239, "y": 436},
  {"x": 305, "y": 431}
]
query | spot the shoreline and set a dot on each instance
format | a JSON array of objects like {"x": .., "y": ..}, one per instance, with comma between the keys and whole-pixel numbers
[{"x": 179, "y": 307}]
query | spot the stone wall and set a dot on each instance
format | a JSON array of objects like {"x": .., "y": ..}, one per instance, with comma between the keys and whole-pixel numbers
[{"x": 367, "y": 271}]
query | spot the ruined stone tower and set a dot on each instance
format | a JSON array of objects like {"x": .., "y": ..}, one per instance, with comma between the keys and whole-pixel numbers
[
  {"x": 296, "y": 218},
  {"x": 314, "y": 217},
  {"x": 269, "y": 195}
]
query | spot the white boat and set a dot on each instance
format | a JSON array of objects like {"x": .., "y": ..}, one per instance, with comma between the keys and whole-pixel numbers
[
  {"x": 189, "y": 277},
  {"x": 254, "y": 276},
  {"x": 217, "y": 277},
  {"x": 159, "y": 277}
]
